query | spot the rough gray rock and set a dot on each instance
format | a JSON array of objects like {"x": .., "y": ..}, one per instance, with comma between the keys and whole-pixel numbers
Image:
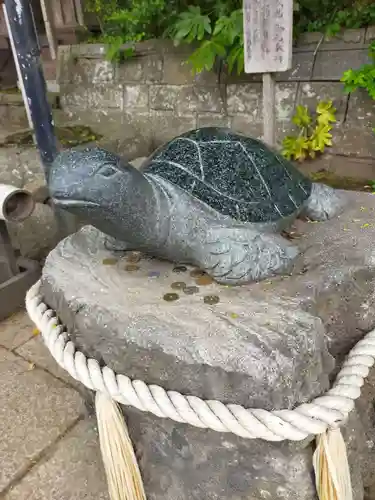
[
  {"x": 218, "y": 355},
  {"x": 262, "y": 345}
]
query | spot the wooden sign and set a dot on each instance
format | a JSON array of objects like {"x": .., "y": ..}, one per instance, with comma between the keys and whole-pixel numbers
[
  {"x": 268, "y": 40},
  {"x": 268, "y": 35}
]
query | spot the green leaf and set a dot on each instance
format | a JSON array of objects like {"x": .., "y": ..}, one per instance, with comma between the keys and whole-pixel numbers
[
  {"x": 236, "y": 58},
  {"x": 184, "y": 29},
  {"x": 288, "y": 147},
  {"x": 229, "y": 27},
  {"x": 295, "y": 147},
  {"x": 302, "y": 117},
  {"x": 204, "y": 57},
  {"x": 191, "y": 25},
  {"x": 321, "y": 137},
  {"x": 326, "y": 113}
]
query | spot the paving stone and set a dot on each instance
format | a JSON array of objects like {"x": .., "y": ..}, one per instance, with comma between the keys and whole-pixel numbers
[
  {"x": 72, "y": 472},
  {"x": 16, "y": 330},
  {"x": 35, "y": 351},
  {"x": 36, "y": 409}
]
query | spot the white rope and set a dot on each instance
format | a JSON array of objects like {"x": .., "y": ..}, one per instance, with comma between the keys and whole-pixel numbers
[{"x": 307, "y": 419}]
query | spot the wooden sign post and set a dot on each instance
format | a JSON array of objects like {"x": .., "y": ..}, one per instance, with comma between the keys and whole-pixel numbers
[{"x": 268, "y": 38}]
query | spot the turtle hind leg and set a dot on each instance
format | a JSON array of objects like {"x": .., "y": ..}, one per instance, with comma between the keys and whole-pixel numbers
[
  {"x": 237, "y": 255},
  {"x": 324, "y": 203}
]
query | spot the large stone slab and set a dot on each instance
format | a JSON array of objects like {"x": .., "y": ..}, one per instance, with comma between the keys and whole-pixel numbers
[
  {"x": 221, "y": 350},
  {"x": 265, "y": 345}
]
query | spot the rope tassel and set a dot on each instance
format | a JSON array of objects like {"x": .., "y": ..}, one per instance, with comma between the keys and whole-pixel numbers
[
  {"x": 330, "y": 460},
  {"x": 120, "y": 463}
]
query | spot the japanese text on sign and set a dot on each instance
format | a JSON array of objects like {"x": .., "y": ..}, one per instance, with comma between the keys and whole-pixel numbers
[{"x": 268, "y": 26}]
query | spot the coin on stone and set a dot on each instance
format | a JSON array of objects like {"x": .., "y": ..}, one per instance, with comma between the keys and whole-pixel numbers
[
  {"x": 196, "y": 273},
  {"x": 134, "y": 257},
  {"x": 154, "y": 274},
  {"x": 180, "y": 269},
  {"x": 178, "y": 285},
  {"x": 131, "y": 268},
  {"x": 170, "y": 297},
  {"x": 211, "y": 299},
  {"x": 109, "y": 262},
  {"x": 204, "y": 280},
  {"x": 190, "y": 290}
]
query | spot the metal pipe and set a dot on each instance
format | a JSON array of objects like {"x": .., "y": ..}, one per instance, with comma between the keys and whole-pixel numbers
[
  {"x": 22, "y": 31},
  {"x": 16, "y": 205}
]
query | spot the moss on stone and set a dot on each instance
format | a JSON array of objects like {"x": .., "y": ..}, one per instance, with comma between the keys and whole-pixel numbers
[
  {"x": 69, "y": 136},
  {"x": 341, "y": 182}
]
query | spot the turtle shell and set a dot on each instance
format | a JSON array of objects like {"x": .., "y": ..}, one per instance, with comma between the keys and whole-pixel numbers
[{"x": 235, "y": 175}]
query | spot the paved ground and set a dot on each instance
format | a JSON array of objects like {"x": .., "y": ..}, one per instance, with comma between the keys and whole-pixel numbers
[{"x": 49, "y": 445}]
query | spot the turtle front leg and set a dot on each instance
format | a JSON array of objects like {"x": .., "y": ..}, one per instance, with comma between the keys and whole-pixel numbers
[
  {"x": 237, "y": 255},
  {"x": 324, "y": 203}
]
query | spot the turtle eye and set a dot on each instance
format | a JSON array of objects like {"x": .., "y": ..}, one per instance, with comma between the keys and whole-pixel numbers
[{"x": 106, "y": 171}]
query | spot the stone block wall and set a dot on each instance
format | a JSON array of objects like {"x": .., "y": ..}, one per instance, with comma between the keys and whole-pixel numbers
[{"x": 153, "y": 96}]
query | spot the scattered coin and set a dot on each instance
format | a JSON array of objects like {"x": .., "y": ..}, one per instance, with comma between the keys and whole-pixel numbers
[
  {"x": 131, "y": 267},
  {"x": 180, "y": 269},
  {"x": 154, "y": 274},
  {"x": 190, "y": 290},
  {"x": 170, "y": 297},
  {"x": 204, "y": 280},
  {"x": 211, "y": 299},
  {"x": 134, "y": 257},
  {"x": 291, "y": 235},
  {"x": 178, "y": 285},
  {"x": 196, "y": 273},
  {"x": 109, "y": 262}
]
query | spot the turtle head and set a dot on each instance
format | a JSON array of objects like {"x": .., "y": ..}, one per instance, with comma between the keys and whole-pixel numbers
[{"x": 89, "y": 182}]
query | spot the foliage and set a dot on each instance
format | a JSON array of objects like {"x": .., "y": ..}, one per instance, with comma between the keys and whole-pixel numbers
[
  {"x": 330, "y": 16},
  {"x": 362, "y": 78},
  {"x": 122, "y": 22},
  {"x": 222, "y": 39},
  {"x": 215, "y": 26},
  {"x": 314, "y": 132},
  {"x": 220, "y": 33}
]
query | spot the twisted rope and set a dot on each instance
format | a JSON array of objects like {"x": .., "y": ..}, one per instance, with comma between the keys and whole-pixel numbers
[{"x": 307, "y": 419}]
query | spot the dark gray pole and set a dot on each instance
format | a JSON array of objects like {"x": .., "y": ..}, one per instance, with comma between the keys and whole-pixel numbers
[{"x": 25, "y": 40}]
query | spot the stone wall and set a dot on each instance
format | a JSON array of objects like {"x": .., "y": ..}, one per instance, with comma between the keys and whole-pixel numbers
[{"x": 153, "y": 96}]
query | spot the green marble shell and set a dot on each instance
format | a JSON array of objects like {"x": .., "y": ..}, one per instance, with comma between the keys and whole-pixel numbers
[{"x": 236, "y": 175}]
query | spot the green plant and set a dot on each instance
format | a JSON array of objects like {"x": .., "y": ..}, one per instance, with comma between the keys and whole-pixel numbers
[
  {"x": 314, "y": 132},
  {"x": 102, "y": 9},
  {"x": 219, "y": 39},
  {"x": 122, "y": 22},
  {"x": 362, "y": 78},
  {"x": 331, "y": 16},
  {"x": 214, "y": 25}
]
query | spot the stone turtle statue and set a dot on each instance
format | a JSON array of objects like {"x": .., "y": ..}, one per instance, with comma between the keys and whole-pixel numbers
[{"x": 210, "y": 197}]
